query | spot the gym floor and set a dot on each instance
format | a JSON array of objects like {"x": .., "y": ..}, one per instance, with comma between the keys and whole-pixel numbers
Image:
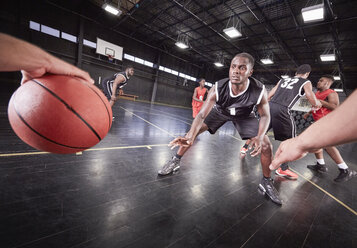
[{"x": 111, "y": 196}]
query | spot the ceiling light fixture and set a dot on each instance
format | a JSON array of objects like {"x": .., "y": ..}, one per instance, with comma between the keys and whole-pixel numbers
[
  {"x": 232, "y": 32},
  {"x": 111, "y": 9},
  {"x": 267, "y": 61},
  {"x": 182, "y": 41},
  {"x": 327, "y": 57},
  {"x": 313, "y": 13},
  {"x": 337, "y": 78}
]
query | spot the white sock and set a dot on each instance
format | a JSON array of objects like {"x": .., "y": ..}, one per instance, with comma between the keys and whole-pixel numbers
[
  {"x": 342, "y": 166},
  {"x": 321, "y": 161}
]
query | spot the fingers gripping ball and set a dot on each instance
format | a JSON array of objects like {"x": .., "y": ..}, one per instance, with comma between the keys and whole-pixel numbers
[{"x": 59, "y": 114}]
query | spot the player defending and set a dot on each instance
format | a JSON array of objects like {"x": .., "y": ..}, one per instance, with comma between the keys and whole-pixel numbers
[
  {"x": 198, "y": 96},
  {"x": 330, "y": 101},
  {"x": 233, "y": 99},
  {"x": 281, "y": 99},
  {"x": 113, "y": 86}
]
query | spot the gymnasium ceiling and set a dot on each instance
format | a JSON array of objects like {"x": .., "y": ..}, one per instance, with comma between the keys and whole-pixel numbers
[{"x": 272, "y": 28}]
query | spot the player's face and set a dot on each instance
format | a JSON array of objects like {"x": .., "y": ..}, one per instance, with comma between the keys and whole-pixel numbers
[
  {"x": 202, "y": 83},
  {"x": 131, "y": 71},
  {"x": 322, "y": 83},
  {"x": 240, "y": 70}
]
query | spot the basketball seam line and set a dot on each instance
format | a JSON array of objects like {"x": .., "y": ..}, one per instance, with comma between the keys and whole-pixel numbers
[
  {"x": 70, "y": 108},
  {"x": 28, "y": 125},
  {"x": 102, "y": 102}
]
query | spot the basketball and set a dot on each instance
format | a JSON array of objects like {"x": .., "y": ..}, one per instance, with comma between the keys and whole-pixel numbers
[{"x": 59, "y": 114}]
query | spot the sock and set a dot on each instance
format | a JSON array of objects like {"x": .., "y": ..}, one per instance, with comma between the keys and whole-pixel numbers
[
  {"x": 178, "y": 156},
  {"x": 245, "y": 146},
  {"x": 320, "y": 161},
  {"x": 284, "y": 166},
  {"x": 342, "y": 166}
]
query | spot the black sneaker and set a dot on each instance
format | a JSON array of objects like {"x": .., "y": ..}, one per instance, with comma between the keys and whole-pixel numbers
[
  {"x": 345, "y": 175},
  {"x": 171, "y": 166},
  {"x": 318, "y": 167},
  {"x": 266, "y": 187}
]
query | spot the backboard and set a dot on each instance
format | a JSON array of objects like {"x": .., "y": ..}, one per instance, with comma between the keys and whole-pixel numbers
[{"x": 106, "y": 48}]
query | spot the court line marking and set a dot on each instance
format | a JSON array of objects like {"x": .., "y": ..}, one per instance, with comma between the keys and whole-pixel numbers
[
  {"x": 327, "y": 193},
  {"x": 91, "y": 149},
  {"x": 314, "y": 184},
  {"x": 148, "y": 122}
]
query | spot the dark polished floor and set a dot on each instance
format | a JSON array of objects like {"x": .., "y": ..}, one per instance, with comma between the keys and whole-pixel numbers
[{"x": 110, "y": 196}]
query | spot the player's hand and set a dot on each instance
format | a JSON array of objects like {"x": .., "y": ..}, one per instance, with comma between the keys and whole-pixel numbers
[
  {"x": 121, "y": 92},
  {"x": 58, "y": 67},
  {"x": 181, "y": 141},
  {"x": 289, "y": 150},
  {"x": 305, "y": 116},
  {"x": 256, "y": 144}
]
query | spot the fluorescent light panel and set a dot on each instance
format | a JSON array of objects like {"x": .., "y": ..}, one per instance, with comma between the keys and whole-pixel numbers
[
  {"x": 181, "y": 45},
  {"x": 111, "y": 9},
  {"x": 284, "y": 76},
  {"x": 327, "y": 57},
  {"x": 313, "y": 13},
  {"x": 336, "y": 78},
  {"x": 218, "y": 64},
  {"x": 232, "y": 32},
  {"x": 338, "y": 90},
  {"x": 267, "y": 61}
]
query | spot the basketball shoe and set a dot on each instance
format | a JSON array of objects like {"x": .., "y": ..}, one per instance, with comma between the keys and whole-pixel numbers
[
  {"x": 171, "y": 166},
  {"x": 286, "y": 173}
]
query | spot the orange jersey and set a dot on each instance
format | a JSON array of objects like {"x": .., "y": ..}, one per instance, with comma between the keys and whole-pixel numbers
[
  {"x": 200, "y": 93},
  {"x": 318, "y": 114}
]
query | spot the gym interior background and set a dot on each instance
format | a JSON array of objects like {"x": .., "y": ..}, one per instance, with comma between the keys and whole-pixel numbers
[{"x": 148, "y": 30}]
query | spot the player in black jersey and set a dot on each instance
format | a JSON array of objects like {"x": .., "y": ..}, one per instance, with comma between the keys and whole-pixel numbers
[
  {"x": 233, "y": 99},
  {"x": 281, "y": 99},
  {"x": 113, "y": 85}
]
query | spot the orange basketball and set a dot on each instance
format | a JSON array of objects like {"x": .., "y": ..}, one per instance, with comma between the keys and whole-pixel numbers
[{"x": 59, "y": 114}]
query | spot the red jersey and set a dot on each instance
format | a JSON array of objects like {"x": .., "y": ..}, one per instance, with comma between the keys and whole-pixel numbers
[
  {"x": 200, "y": 93},
  {"x": 322, "y": 111}
]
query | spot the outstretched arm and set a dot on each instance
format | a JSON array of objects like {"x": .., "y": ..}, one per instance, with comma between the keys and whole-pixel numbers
[
  {"x": 339, "y": 126},
  {"x": 34, "y": 62},
  {"x": 272, "y": 92},
  {"x": 316, "y": 104},
  {"x": 197, "y": 122},
  {"x": 119, "y": 79},
  {"x": 264, "y": 113}
]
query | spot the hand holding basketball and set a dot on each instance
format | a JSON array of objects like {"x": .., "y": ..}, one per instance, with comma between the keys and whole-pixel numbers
[{"x": 59, "y": 114}]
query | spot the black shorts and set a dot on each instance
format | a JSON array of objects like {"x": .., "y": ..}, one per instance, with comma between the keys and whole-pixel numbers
[
  {"x": 282, "y": 122},
  {"x": 247, "y": 127},
  {"x": 107, "y": 89}
]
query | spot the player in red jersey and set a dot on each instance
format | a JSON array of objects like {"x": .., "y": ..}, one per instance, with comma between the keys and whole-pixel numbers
[
  {"x": 329, "y": 100},
  {"x": 198, "y": 96}
]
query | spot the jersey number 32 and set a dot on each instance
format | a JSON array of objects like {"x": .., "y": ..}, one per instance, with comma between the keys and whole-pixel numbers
[{"x": 288, "y": 83}]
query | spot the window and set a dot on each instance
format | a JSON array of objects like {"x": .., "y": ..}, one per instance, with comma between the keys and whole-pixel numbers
[
  {"x": 89, "y": 43},
  {"x": 168, "y": 70},
  {"x": 193, "y": 79},
  {"x": 208, "y": 84},
  {"x": 147, "y": 63},
  {"x": 50, "y": 31},
  {"x": 35, "y": 26},
  {"x": 161, "y": 68},
  {"x": 174, "y": 72},
  {"x": 182, "y": 75},
  {"x": 129, "y": 57},
  {"x": 138, "y": 60},
  {"x": 69, "y": 37}
]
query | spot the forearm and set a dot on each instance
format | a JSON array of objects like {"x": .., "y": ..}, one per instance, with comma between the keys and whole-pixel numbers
[
  {"x": 196, "y": 126},
  {"x": 19, "y": 55},
  {"x": 263, "y": 126},
  {"x": 339, "y": 126},
  {"x": 328, "y": 105}
]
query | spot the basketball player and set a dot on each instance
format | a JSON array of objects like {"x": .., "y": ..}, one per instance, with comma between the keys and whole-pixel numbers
[
  {"x": 329, "y": 100},
  {"x": 281, "y": 99},
  {"x": 233, "y": 99},
  {"x": 16, "y": 54},
  {"x": 198, "y": 96},
  {"x": 113, "y": 86},
  {"x": 339, "y": 127}
]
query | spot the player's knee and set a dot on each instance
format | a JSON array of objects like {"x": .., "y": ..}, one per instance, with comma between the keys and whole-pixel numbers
[{"x": 266, "y": 145}]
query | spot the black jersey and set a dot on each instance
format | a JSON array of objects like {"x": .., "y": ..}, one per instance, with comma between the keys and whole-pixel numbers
[
  {"x": 240, "y": 105},
  {"x": 109, "y": 81},
  {"x": 289, "y": 91}
]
